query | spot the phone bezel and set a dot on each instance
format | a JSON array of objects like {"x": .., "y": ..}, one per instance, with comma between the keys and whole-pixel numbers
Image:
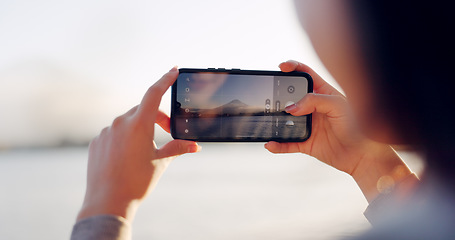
[{"x": 241, "y": 72}]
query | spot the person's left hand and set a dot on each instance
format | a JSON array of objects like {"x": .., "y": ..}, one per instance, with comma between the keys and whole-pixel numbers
[{"x": 124, "y": 163}]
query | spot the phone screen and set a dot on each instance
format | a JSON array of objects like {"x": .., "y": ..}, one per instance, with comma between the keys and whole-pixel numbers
[{"x": 241, "y": 105}]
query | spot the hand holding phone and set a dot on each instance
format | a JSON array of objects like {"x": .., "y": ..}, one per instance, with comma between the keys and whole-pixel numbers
[
  {"x": 239, "y": 105},
  {"x": 124, "y": 164},
  {"x": 336, "y": 137}
]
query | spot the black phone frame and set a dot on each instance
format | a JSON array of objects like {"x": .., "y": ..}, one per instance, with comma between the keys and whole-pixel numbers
[{"x": 241, "y": 72}]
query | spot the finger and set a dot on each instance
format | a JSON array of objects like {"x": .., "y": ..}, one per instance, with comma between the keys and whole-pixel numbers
[
  {"x": 319, "y": 84},
  {"x": 276, "y": 147},
  {"x": 332, "y": 106},
  {"x": 164, "y": 121},
  {"x": 176, "y": 148},
  {"x": 148, "y": 108},
  {"x": 132, "y": 111},
  {"x": 290, "y": 66}
]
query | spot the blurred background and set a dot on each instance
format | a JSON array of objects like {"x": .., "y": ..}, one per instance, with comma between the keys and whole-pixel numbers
[{"x": 68, "y": 68}]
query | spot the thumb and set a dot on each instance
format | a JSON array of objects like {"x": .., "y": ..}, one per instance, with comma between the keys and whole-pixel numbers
[
  {"x": 177, "y": 147},
  {"x": 330, "y": 105}
]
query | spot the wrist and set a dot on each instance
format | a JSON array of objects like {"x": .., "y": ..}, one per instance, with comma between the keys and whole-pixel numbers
[
  {"x": 121, "y": 208},
  {"x": 379, "y": 171}
]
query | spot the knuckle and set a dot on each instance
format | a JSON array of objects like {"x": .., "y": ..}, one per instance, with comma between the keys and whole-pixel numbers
[
  {"x": 132, "y": 110},
  {"x": 118, "y": 121},
  {"x": 103, "y": 132},
  {"x": 98, "y": 138},
  {"x": 92, "y": 143},
  {"x": 310, "y": 96}
]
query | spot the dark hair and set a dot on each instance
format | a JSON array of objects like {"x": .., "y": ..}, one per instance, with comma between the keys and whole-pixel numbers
[{"x": 409, "y": 50}]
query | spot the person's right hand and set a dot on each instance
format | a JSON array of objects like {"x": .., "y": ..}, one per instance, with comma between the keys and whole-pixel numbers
[{"x": 336, "y": 139}]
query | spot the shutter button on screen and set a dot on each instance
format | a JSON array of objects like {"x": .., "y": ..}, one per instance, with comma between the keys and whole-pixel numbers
[{"x": 289, "y": 123}]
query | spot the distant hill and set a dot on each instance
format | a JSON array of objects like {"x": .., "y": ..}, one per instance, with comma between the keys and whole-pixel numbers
[{"x": 234, "y": 107}]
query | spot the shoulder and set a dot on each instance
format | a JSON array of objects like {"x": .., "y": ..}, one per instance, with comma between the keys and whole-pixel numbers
[{"x": 425, "y": 217}]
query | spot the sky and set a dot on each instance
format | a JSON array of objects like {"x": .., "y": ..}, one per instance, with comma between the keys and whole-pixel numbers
[
  {"x": 221, "y": 89},
  {"x": 68, "y": 68}
]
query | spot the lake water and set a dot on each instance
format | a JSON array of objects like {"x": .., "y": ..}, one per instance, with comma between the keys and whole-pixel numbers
[
  {"x": 228, "y": 191},
  {"x": 284, "y": 126}
]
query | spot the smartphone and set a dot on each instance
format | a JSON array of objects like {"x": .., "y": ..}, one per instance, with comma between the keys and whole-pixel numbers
[{"x": 233, "y": 105}]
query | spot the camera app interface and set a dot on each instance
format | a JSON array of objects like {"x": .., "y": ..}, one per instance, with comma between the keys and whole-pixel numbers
[{"x": 230, "y": 106}]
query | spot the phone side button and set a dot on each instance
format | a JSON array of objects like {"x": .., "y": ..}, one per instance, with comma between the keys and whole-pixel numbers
[
  {"x": 211, "y": 68},
  {"x": 236, "y": 69}
]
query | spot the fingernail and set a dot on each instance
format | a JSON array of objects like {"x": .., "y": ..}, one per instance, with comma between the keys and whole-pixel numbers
[
  {"x": 173, "y": 69},
  {"x": 291, "y": 108}
]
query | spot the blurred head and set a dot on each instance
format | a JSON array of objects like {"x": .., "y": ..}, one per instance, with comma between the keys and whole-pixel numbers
[
  {"x": 392, "y": 60},
  {"x": 329, "y": 24}
]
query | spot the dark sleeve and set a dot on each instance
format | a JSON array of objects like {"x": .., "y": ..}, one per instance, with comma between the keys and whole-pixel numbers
[
  {"x": 377, "y": 208},
  {"x": 101, "y": 227},
  {"x": 388, "y": 202}
]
